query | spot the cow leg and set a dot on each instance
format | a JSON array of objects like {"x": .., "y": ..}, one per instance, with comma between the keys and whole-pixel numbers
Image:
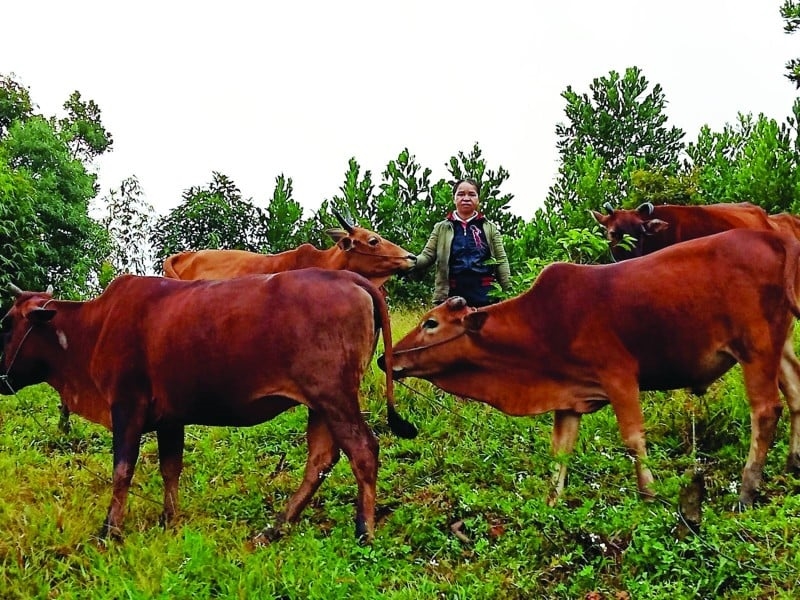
[
  {"x": 624, "y": 399},
  {"x": 354, "y": 437},
  {"x": 127, "y": 435},
  {"x": 565, "y": 433},
  {"x": 323, "y": 453},
  {"x": 790, "y": 386},
  {"x": 765, "y": 410},
  {"x": 170, "y": 459},
  {"x": 63, "y": 420}
]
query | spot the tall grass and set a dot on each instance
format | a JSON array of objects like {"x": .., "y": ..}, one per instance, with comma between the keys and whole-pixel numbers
[{"x": 462, "y": 508}]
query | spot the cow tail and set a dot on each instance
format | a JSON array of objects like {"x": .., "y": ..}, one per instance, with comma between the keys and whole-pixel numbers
[{"x": 397, "y": 424}]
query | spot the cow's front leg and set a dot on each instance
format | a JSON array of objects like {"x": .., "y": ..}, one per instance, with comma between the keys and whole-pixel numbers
[
  {"x": 170, "y": 458},
  {"x": 127, "y": 435},
  {"x": 624, "y": 397}
]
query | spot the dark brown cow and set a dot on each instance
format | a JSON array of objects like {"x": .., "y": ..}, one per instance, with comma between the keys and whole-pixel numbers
[
  {"x": 586, "y": 336},
  {"x": 155, "y": 354},
  {"x": 656, "y": 227},
  {"x": 357, "y": 249}
]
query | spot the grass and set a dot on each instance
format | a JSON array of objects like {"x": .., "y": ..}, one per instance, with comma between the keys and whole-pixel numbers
[{"x": 462, "y": 511}]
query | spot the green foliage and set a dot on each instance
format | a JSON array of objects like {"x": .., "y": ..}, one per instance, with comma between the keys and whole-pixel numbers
[
  {"x": 47, "y": 189},
  {"x": 609, "y": 140},
  {"x": 790, "y": 13},
  {"x": 620, "y": 122},
  {"x": 127, "y": 215},
  {"x": 283, "y": 223},
  {"x": 215, "y": 216},
  {"x": 754, "y": 160}
]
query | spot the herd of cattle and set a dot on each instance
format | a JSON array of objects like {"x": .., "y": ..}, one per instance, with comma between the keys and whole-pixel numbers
[{"x": 234, "y": 338}]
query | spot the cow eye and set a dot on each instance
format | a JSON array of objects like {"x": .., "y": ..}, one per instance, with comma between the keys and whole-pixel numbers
[
  {"x": 430, "y": 324},
  {"x": 373, "y": 241}
]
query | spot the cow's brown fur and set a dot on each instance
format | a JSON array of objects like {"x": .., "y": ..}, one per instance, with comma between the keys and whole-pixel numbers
[
  {"x": 155, "y": 354},
  {"x": 359, "y": 250},
  {"x": 585, "y": 336}
]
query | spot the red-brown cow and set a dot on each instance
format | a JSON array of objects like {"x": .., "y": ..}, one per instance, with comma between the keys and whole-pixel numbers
[
  {"x": 656, "y": 227},
  {"x": 357, "y": 249},
  {"x": 155, "y": 354},
  {"x": 586, "y": 336}
]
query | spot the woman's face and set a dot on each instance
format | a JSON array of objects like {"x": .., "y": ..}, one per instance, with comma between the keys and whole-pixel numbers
[{"x": 466, "y": 199}]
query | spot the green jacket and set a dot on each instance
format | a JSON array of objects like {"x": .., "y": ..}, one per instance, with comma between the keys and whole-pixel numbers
[{"x": 437, "y": 250}]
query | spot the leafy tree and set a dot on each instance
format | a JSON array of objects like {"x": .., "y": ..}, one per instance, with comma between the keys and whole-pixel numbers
[
  {"x": 354, "y": 202},
  {"x": 754, "y": 160},
  {"x": 283, "y": 224},
  {"x": 619, "y": 129},
  {"x": 83, "y": 129},
  {"x": 790, "y": 12},
  {"x": 128, "y": 218},
  {"x": 209, "y": 217},
  {"x": 47, "y": 189},
  {"x": 15, "y": 103}
]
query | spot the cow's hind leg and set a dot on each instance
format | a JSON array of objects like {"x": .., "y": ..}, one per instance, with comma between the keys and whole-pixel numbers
[
  {"x": 170, "y": 458},
  {"x": 790, "y": 386},
  {"x": 323, "y": 453},
  {"x": 352, "y": 434},
  {"x": 566, "y": 424},
  {"x": 765, "y": 410}
]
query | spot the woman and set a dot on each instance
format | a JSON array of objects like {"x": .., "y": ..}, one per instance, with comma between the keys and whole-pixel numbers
[{"x": 460, "y": 246}]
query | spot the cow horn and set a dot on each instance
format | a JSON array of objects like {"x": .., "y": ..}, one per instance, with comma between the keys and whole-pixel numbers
[
  {"x": 645, "y": 208},
  {"x": 49, "y": 289},
  {"x": 608, "y": 207},
  {"x": 14, "y": 289},
  {"x": 342, "y": 220}
]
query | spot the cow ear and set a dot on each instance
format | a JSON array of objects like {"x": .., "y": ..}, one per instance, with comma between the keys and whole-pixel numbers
[
  {"x": 41, "y": 315},
  {"x": 345, "y": 243},
  {"x": 654, "y": 226},
  {"x": 336, "y": 234},
  {"x": 474, "y": 321}
]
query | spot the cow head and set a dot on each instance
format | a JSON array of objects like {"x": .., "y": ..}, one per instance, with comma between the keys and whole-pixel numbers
[
  {"x": 22, "y": 326},
  {"x": 634, "y": 223},
  {"x": 368, "y": 254},
  {"x": 437, "y": 344}
]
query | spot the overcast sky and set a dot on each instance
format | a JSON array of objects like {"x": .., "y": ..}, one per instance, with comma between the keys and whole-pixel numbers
[{"x": 256, "y": 89}]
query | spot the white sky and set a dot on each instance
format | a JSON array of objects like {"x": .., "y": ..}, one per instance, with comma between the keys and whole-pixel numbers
[{"x": 256, "y": 89}]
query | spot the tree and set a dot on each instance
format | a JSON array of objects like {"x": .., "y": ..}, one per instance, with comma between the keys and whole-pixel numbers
[
  {"x": 754, "y": 160},
  {"x": 215, "y": 216},
  {"x": 621, "y": 128},
  {"x": 283, "y": 224},
  {"x": 790, "y": 12},
  {"x": 47, "y": 189},
  {"x": 127, "y": 219}
]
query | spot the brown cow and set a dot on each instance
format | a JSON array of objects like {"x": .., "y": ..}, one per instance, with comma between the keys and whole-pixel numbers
[
  {"x": 156, "y": 354},
  {"x": 586, "y": 336},
  {"x": 656, "y": 227},
  {"x": 356, "y": 249}
]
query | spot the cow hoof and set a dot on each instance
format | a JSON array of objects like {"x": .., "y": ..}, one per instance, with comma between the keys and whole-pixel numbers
[
  {"x": 268, "y": 535},
  {"x": 793, "y": 464},
  {"x": 108, "y": 534}
]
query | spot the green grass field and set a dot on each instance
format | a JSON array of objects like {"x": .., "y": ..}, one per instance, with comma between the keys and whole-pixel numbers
[{"x": 462, "y": 508}]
